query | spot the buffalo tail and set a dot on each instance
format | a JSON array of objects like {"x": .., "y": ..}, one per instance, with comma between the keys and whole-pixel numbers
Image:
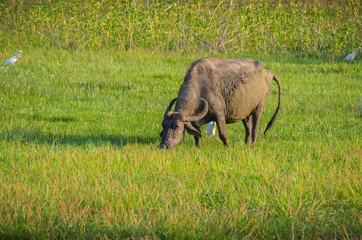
[{"x": 272, "y": 120}]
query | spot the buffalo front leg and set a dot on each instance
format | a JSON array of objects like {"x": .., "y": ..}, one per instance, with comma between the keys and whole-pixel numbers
[
  {"x": 221, "y": 124},
  {"x": 197, "y": 139},
  {"x": 248, "y": 128}
]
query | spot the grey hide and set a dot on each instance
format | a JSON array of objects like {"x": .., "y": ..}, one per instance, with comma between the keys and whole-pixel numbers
[{"x": 221, "y": 90}]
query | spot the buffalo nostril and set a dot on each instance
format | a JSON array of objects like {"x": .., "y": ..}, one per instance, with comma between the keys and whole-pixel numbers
[{"x": 162, "y": 146}]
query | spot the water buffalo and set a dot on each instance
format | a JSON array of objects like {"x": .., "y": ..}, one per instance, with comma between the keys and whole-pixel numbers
[{"x": 221, "y": 90}]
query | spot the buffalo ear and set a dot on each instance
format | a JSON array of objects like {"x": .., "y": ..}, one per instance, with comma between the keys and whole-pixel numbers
[
  {"x": 161, "y": 134},
  {"x": 191, "y": 130}
]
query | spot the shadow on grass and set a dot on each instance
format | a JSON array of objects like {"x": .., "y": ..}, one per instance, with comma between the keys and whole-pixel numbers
[{"x": 27, "y": 135}]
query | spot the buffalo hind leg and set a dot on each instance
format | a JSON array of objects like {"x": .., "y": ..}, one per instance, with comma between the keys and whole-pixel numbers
[
  {"x": 256, "y": 119},
  {"x": 248, "y": 128}
]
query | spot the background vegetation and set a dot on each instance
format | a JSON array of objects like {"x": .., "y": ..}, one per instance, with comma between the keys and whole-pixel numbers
[
  {"x": 329, "y": 28},
  {"x": 81, "y": 112}
]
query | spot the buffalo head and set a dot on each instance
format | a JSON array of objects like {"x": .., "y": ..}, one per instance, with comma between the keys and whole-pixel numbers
[{"x": 174, "y": 125}]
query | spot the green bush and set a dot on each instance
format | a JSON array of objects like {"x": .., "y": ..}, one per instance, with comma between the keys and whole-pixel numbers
[{"x": 318, "y": 28}]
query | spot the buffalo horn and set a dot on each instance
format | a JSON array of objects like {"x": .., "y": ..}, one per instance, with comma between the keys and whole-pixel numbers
[
  {"x": 199, "y": 115},
  {"x": 170, "y": 105}
]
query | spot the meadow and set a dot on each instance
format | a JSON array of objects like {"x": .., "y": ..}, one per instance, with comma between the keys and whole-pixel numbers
[
  {"x": 81, "y": 113},
  {"x": 79, "y": 158}
]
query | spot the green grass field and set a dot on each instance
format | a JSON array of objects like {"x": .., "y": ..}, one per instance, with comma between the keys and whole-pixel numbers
[{"x": 78, "y": 152}]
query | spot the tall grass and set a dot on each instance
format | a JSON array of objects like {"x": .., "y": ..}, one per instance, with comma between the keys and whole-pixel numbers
[
  {"x": 297, "y": 28},
  {"x": 79, "y": 158}
]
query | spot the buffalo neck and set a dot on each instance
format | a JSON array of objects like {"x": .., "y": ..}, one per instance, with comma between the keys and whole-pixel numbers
[{"x": 186, "y": 100}]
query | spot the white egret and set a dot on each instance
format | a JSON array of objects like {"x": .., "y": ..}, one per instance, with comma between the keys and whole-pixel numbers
[
  {"x": 211, "y": 128},
  {"x": 12, "y": 60},
  {"x": 351, "y": 56}
]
